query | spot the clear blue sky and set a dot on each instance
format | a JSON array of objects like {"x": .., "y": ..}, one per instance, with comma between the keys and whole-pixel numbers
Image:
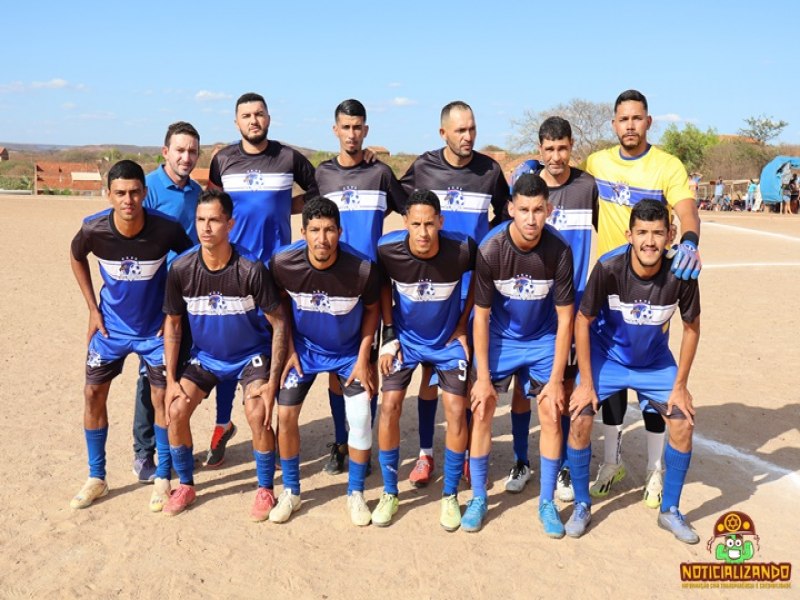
[{"x": 105, "y": 72}]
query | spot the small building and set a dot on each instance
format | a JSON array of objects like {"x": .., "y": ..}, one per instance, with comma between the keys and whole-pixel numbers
[
  {"x": 200, "y": 175},
  {"x": 80, "y": 179},
  {"x": 379, "y": 151},
  {"x": 3, "y": 153}
]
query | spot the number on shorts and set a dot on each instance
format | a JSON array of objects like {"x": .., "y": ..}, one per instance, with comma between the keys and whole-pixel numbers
[
  {"x": 462, "y": 367},
  {"x": 257, "y": 362}
]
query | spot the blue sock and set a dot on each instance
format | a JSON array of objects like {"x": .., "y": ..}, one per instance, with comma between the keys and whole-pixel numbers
[
  {"x": 389, "y": 459},
  {"x": 565, "y": 423},
  {"x": 579, "y": 472},
  {"x": 291, "y": 474},
  {"x": 265, "y": 468},
  {"x": 164, "y": 469},
  {"x": 478, "y": 472},
  {"x": 226, "y": 391},
  {"x": 356, "y": 474},
  {"x": 426, "y": 411},
  {"x": 373, "y": 409},
  {"x": 183, "y": 463},
  {"x": 677, "y": 465},
  {"x": 96, "y": 448},
  {"x": 520, "y": 431},
  {"x": 339, "y": 418},
  {"x": 453, "y": 467},
  {"x": 548, "y": 474}
]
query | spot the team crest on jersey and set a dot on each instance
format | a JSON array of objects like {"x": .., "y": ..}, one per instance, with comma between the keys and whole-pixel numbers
[
  {"x": 524, "y": 287},
  {"x": 641, "y": 312},
  {"x": 320, "y": 301},
  {"x": 558, "y": 218},
  {"x": 397, "y": 364},
  {"x": 253, "y": 179},
  {"x": 217, "y": 303},
  {"x": 292, "y": 380},
  {"x": 349, "y": 197},
  {"x": 425, "y": 289},
  {"x": 93, "y": 359},
  {"x": 129, "y": 269},
  {"x": 454, "y": 198},
  {"x": 622, "y": 193}
]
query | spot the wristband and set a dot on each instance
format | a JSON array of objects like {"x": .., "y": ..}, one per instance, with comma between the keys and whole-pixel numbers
[{"x": 691, "y": 237}]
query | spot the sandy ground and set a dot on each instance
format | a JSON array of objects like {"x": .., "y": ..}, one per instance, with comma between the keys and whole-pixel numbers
[{"x": 747, "y": 454}]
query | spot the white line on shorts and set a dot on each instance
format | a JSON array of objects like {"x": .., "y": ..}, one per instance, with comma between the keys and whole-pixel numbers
[
  {"x": 782, "y": 236},
  {"x": 750, "y": 265}
]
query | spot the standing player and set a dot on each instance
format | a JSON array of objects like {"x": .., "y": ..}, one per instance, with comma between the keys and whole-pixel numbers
[
  {"x": 131, "y": 244},
  {"x": 622, "y": 335},
  {"x": 467, "y": 184},
  {"x": 334, "y": 292},
  {"x": 258, "y": 173},
  {"x": 626, "y": 174},
  {"x": 222, "y": 293},
  {"x": 424, "y": 269},
  {"x": 573, "y": 196},
  {"x": 364, "y": 192},
  {"x": 524, "y": 297}
]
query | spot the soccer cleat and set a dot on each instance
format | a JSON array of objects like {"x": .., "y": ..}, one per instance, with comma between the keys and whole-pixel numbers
[
  {"x": 358, "y": 509},
  {"x": 474, "y": 514},
  {"x": 518, "y": 477},
  {"x": 564, "y": 490},
  {"x": 673, "y": 521},
  {"x": 179, "y": 500},
  {"x": 386, "y": 509},
  {"x": 450, "y": 514},
  {"x": 608, "y": 475},
  {"x": 550, "y": 519},
  {"x": 144, "y": 468},
  {"x": 288, "y": 503},
  {"x": 262, "y": 505},
  {"x": 335, "y": 464},
  {"x": 93, "y": 489},
  {"x": 579, "y": 521},
  {"x": 219, "y": 441},
  {"x": 654, "y": 485},
  {"x": 421, "y": 473},
  {"x": 160, "y": 495}
]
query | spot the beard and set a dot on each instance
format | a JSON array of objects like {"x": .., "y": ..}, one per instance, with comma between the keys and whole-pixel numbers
[{"x": 256, "y": 139}]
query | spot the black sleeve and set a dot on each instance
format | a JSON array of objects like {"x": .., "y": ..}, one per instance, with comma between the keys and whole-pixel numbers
[
  {"x": 395, "y": 195},
  {"x": 564, "y": 283},
  {"x": 81, "y": 244},
  {"x": 304, "y": 175},
  {"x": 265, "y": 292},
  {"x": 689, "y": 300},
  {"x": 595, "y": 207},
  {"x": 214, "y": 176},
  {"x": 181, "y": 242},
  {"x": 484, "y": 284},
  {"x": 372, "y": 288},
  {"x": 472, "y": 252},
  {"x": 407, "y": 180},
  {"x": 174, "y": 304},
  {"x": 500, "y": 198},
  {"x": 594, "y": 296}
]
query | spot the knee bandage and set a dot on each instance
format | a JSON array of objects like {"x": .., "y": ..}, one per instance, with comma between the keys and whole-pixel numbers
[{"x": 359, "y": 421}]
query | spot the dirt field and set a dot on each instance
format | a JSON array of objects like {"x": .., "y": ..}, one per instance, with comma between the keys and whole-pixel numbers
[{"x": 747, "y": 455}]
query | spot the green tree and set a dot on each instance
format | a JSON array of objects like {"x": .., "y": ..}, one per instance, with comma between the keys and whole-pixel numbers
[
  {"x": 762, "y": 129},
  {"x": 689, "y": 144}
]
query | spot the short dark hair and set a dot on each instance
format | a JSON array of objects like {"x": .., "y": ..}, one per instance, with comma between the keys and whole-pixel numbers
[
  {"x": 554, "y": 128},
  {"x": 178, "y": 128},
  {"x": 319, "y": 207},
  {"x": 649, "y": 210},
  {"x": 251, "y": 97},
  {"x": 426, "y": 198},
  {"x": 450, "y": 106},
  {"x": 214, "y": 195},
  {"x": 351, "y": 108},
  {"x": 630, "y": 96},
  {"x": 126, "y": 169},
  {"x": 530, "y": 185}
]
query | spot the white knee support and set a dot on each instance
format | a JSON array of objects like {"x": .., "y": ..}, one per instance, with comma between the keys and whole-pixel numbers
[{"x": 359, "y": 421}]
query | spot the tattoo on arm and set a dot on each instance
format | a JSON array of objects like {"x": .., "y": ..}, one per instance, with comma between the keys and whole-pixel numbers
[{"x": 277, "y": 319}]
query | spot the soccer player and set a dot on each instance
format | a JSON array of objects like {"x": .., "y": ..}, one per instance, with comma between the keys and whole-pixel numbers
[
  {"x": 131, "y": 244},
  {"x": 172, "y": 191},
  {"x": 621, "y": 335},
  {"x": 625, "y": 174},
  {"x": 364, "y": 192},
  {"x": 467, "y": 184},
  {"x": 573, "y": 196},
  {"x": 225, "y": 297},
  {"x": 258, "y": 173},
  {"x": 424, "y": 268},
  {"x": 333, "y": 291},
  {"x": 524, "y": 297}
]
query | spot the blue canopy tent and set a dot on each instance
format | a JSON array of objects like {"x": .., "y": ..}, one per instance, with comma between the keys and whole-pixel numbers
[{"x": 770, "y": 182}]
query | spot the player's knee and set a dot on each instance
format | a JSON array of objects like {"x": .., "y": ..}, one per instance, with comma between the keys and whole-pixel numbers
[
  {"x": 359, "y": 421},
  {"x": 390, "y": 407},
  {"x": 95, "y": 398},
  {"x": 549, "y": 425},
  {"x": 680, "y": 434},
  {"x": 179, "y": 411},
  {"x": 580, "y": 431},
  {"x": 255, "y": 413}
]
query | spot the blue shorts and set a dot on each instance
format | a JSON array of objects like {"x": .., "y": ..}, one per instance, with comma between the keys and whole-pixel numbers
[
  {"x": 295, "y": 388},
  {"x": 106, "y": 356},
  {"x": 517, "y": 357},
  {"x": 449, "y": 364}
]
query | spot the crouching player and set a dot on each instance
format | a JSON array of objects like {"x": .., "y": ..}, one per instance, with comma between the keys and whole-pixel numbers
[
  {"x": 131, "y": 244},
  {"x": 524, "y": 295},
  {"x": 334, "y": 293},
  {"x": 224, "y": 294},
  {"x": 423, "y": 267},
  {"x": 621, "y": 337}
]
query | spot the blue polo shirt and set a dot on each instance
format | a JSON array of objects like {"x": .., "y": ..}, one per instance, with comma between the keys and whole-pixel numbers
[{"x": 180, "y": 203}]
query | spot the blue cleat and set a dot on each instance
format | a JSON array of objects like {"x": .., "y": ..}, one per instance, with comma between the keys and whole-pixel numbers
[
  {"x": 551, "y": 521},
  {"x": 673, "y": 521},
  {"x": 579, "y": 521},
  {"x": 472, "y": 520}
]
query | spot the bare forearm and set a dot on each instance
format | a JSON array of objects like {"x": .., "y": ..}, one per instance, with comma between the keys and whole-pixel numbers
[
  {"x": 480, "y": 335},
  {"x": 280, "y": 343},
  {"x": 582, "y": 348},
  {"x": 563, "y": 342},
  {"x": 80, "y": 268},
  {"x": 173, "y": 332},
  {"x": 686, "y": 211}
]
